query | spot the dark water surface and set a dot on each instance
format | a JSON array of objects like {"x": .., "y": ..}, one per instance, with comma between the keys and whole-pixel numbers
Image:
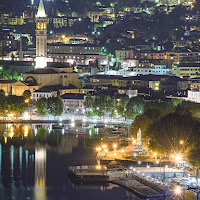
[{"x": 39, "y": 172}]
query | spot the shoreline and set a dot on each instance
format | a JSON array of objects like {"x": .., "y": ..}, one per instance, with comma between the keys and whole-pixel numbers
[{"x": 63, "y": 121}]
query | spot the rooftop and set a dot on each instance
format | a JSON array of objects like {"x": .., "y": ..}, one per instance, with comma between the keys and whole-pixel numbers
[
  {"x": 78, "y": 45},
  {"x": 8, "y": 81},
  {"x": 59, "y": 65},
  {"x": 43, "y": 71},
  {"x": 56, "y": 88},
  {"x": 73, "y": 96}
]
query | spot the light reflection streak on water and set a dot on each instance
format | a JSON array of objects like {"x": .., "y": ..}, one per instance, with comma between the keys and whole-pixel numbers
[
  {"x": 20, "y": 158},
  {"x": 0, "y": 156},
  {"x": 26, "y": 155},
  {"x": 12, "y": 158}
]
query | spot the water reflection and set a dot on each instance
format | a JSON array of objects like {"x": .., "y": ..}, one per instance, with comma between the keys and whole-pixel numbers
[
  {"x": 40, "y": 173},
  {"x": 34, "y": 160}
]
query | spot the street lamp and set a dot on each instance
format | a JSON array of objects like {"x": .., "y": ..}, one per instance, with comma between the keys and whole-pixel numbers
[
  {"x": 98, "y": 150},
  {"x": 114, "y": 145},
  {"x": 106, "y": 150},
  {"x": 177, "y": 190},
  {"x": 178, "y": 157},
  {"x": 181, "y": 142}
]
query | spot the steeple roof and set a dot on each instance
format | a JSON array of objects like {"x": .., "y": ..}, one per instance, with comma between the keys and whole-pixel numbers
[{"x": 41, "y": 11}]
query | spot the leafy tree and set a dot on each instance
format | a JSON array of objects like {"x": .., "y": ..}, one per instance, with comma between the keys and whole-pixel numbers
[
  {"x": 164, "y": 106},
  {"x": 42, "y": 106},
  {"x": 135, "y": 107},
  {"x": 55, "y": 105},
  {"x": 100, "y": 105},
  {"x": 13, "y": 57},
  {"x": 194, "y": 108},
  {"x": 166, "y": 133},
  {"x": 27, "y": 94},
  {"x": 144, "y": 121},
  {"x": 121, "y": 107},
  {"x": 15, "y": 105},
  {"x": 175, "y": 102},
  {"x": 2, "y": 92}
]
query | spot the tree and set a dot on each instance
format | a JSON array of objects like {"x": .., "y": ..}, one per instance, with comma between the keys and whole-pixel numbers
[
  {"x": 166, "y": 133},
  {"x": 42, "y": 106},
  {"x": 15, "y": 105},
  {"x": 121, "y": 107},
  {"x": 12, "y": 57},
  {"x": 55, "y": 105},
  {"x": 27, "y": 94},
  {"x": 193, "y": 157},
  {"x": 100, "y": 105},
  {"x": 135, "y": 107},
  {"x": 2, "y": 93}
]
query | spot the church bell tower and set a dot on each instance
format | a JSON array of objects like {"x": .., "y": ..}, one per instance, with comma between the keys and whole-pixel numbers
[{"x": 41, "y": 37}]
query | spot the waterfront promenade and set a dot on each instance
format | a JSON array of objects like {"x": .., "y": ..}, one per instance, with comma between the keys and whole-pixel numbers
[{"x": 129, "y": 179}]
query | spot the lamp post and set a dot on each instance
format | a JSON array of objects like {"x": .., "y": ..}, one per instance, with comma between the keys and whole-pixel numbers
[{"x": 114, "y": 146}]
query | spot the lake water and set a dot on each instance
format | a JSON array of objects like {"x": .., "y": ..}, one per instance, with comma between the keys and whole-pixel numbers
[{"x": 35, "y": 168}]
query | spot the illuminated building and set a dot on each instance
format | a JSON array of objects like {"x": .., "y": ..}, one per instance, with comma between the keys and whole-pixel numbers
[{"x": 41, "y": 37}]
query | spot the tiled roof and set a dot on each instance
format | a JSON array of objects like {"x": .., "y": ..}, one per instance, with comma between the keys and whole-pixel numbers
[{"x": 73, "y": 96}]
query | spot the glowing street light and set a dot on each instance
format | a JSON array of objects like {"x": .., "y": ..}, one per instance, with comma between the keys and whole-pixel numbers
[
  {"x": 98, "y": 149},
  {"x": 157, "y": 162},
  {"x": 177, "y": 190},
  {"x": 114, "y": 145},
  {"x": 178, "y": 157},
  {"x": 181, "y": 142},
  {"x": 98, "y": 166}
]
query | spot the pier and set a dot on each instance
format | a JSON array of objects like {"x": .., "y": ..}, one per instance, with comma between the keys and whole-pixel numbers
[{"x": 124, "y": 178}]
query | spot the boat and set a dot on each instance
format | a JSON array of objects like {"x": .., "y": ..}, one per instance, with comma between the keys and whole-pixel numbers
[
  {"x": 181, "y": 181},
  {"x": 99, "y": 126},
  {"x": 57, "y": 126},
  {"x": 80, "y": 133},
  {"x": 115, "y": 131},
  {"x": 85, "y": 125},
  {"x": 193, "y": 186}
]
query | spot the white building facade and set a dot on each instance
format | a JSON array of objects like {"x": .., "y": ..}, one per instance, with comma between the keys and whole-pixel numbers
[
  {"x": 194, "y": 96},
  {"x": 156, "y": 70},
  {"x": 40, "y": 94}
]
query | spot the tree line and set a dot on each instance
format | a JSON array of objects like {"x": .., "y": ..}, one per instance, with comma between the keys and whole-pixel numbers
[
  {"x": 16, "y": 105},
  {"x": 163, "y": 128},
  {"x": 51, "y": 106},
  {"x": 105, "y": 105}
]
